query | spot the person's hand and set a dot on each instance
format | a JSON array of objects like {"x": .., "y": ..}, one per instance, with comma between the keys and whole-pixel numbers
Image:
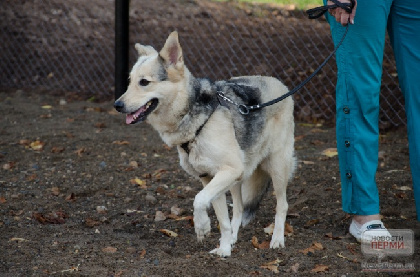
[{"x": 341, "y": 16}]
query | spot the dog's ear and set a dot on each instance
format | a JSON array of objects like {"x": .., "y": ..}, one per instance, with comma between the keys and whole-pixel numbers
[
  {"x": 145, "y": 50},
  {"x": 172, "y": 52}
]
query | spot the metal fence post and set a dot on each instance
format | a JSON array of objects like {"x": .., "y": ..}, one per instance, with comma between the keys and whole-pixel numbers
[{"x": 121, "y": 46}]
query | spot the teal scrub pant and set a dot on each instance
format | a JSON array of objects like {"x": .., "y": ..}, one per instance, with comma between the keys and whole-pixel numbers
[{"x": 359, "y": 63}]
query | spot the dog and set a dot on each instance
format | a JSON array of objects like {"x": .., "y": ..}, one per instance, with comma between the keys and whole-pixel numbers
[{"x": 225, "y": 149}]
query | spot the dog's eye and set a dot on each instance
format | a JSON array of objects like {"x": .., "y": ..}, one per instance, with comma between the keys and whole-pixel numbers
[{"x": 144, "y": 82}]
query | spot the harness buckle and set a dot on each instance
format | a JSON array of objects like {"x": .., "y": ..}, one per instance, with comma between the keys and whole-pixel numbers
[{"x": 243, "y": 109}]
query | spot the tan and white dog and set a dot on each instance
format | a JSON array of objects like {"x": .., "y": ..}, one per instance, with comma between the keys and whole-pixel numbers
[{"x": 226, "y": 150}]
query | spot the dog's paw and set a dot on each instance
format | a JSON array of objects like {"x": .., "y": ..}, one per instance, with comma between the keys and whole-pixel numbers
[
  {"x": 202, "y": 226},
  {"x": 277, "y": 243},
  {"x": 222, "y": 251}
]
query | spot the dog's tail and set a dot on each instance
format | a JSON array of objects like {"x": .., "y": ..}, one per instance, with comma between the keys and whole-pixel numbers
[{"x": 253, "y": 191}]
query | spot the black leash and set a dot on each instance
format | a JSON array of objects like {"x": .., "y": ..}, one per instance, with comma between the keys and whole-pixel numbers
[{"x": 312, "y": 14}]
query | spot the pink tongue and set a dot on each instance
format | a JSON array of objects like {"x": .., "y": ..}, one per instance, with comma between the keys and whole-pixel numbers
[{"x": 130, "y": 117}]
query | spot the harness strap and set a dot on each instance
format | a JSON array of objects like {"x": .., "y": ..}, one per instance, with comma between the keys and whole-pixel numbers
[{"x": 186, "y": 144}]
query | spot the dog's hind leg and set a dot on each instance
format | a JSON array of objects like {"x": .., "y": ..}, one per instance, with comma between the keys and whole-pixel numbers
[
  {"x": 279, "y": 171},
  {"x": 280, "y": 184},
  {"x": 238, "y": 209}
]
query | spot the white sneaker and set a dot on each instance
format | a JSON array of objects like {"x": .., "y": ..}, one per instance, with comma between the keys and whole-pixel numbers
[{"x": 368, "y": 231}]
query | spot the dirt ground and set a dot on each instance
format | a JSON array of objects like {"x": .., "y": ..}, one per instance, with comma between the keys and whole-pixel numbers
[{"x": 83, "y": 194}]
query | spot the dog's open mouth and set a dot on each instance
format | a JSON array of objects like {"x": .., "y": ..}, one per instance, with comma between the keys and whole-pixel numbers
[{"x": 142, "y": 113}]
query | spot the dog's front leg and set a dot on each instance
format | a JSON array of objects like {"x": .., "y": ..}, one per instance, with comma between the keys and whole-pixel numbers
[
  {"x": 222, "y": 213},
  {"x": 214, "y": 193}
]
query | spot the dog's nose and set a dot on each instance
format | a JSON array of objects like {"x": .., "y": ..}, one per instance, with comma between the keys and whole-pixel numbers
[{"x": 119, "y": 105}]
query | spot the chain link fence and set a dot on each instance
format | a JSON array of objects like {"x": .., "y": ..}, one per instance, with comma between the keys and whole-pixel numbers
[{"x": 67, "y": 46}]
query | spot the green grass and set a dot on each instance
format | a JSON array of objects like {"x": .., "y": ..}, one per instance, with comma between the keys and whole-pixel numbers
[{"x": 300, "y": 4}]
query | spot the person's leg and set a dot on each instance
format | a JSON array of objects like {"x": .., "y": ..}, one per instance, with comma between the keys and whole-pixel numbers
[
  {"x": 404, "y": 32},
  {"x": 359, "y": 62}
]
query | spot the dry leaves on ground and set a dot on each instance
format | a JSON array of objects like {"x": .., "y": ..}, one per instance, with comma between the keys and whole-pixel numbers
[{"x": 314, "y": 247}]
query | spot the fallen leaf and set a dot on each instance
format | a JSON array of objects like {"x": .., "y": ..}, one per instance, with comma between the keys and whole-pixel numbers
[
  {"x": 299, "y": 137},
  {"x": 160, "y": 191},
  {"x": 113, "y": 112},
  {"x": 159, "y": 216},
  {"x": 294, "y": 268},
  {"x": 272, "y": 266},
  {"x": 142, "y": 254},
  {"x": 46, "y": 107},
  {"x": 168, "y": 233},
  {"x": 264, "y": 245},
  {"x": 317, "y": 142},
  {"x": 39, "y": 217},
  {"x": 158, "y": 173},
  {"x": 55, "y": 191},
  {"x": 176, "y": 211},
  {"x": 51, "y": 218},
  {"x": 332, "y": 237},
  {"x": 109, "y": 249},
  {"x": 310, "y": 124},
  {"x": 92, "y": 222},
  {"x": 80, "y": 151},
  {"x": 319, "y": 268},
  {"x": 269, "y": 229},
  {"x": 133, "y": 164},
  {"x": 31, "y": 177},
  {"x": 71, "y": 197},
  {"x": 59, "y": 149},
  {"x": 311, "y": 222},
  {"x": 401, "y": 195},
  {"x": 351, "y": 248},
  {"x": 9, "y": 165},
  {"x": 330, "y": 152},
  {"x": 18, "y": 239},
  {"x": 288, "y": 229},
  {"x": 121, "y": 142},
  {"x": 403, "y": 188},
  {"x": 190, "y": 218},
  {"x": 2, "y": 200},
  {"x": 37, "y": 145},
  {"x": 139, "y": 182},
  {"x": 24, "y": 142},
  {"x": 68, "y": 134},
  {"x": 256, "y": 244},
  {"x": 346, "y": 258},
  {"x": 317, "y": 246},
  {"x": 100, "y": 125},
  {"x": 314, "y": 247}
]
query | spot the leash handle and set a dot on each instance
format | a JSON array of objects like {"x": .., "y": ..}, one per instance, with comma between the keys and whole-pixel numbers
[{"x": 319, "y": 11}]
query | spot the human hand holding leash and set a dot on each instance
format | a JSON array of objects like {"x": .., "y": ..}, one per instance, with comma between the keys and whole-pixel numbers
[{"x": 340, "y": 14}]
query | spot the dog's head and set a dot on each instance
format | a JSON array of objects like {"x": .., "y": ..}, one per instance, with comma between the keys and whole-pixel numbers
[{"x": 155, "y": 80}]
